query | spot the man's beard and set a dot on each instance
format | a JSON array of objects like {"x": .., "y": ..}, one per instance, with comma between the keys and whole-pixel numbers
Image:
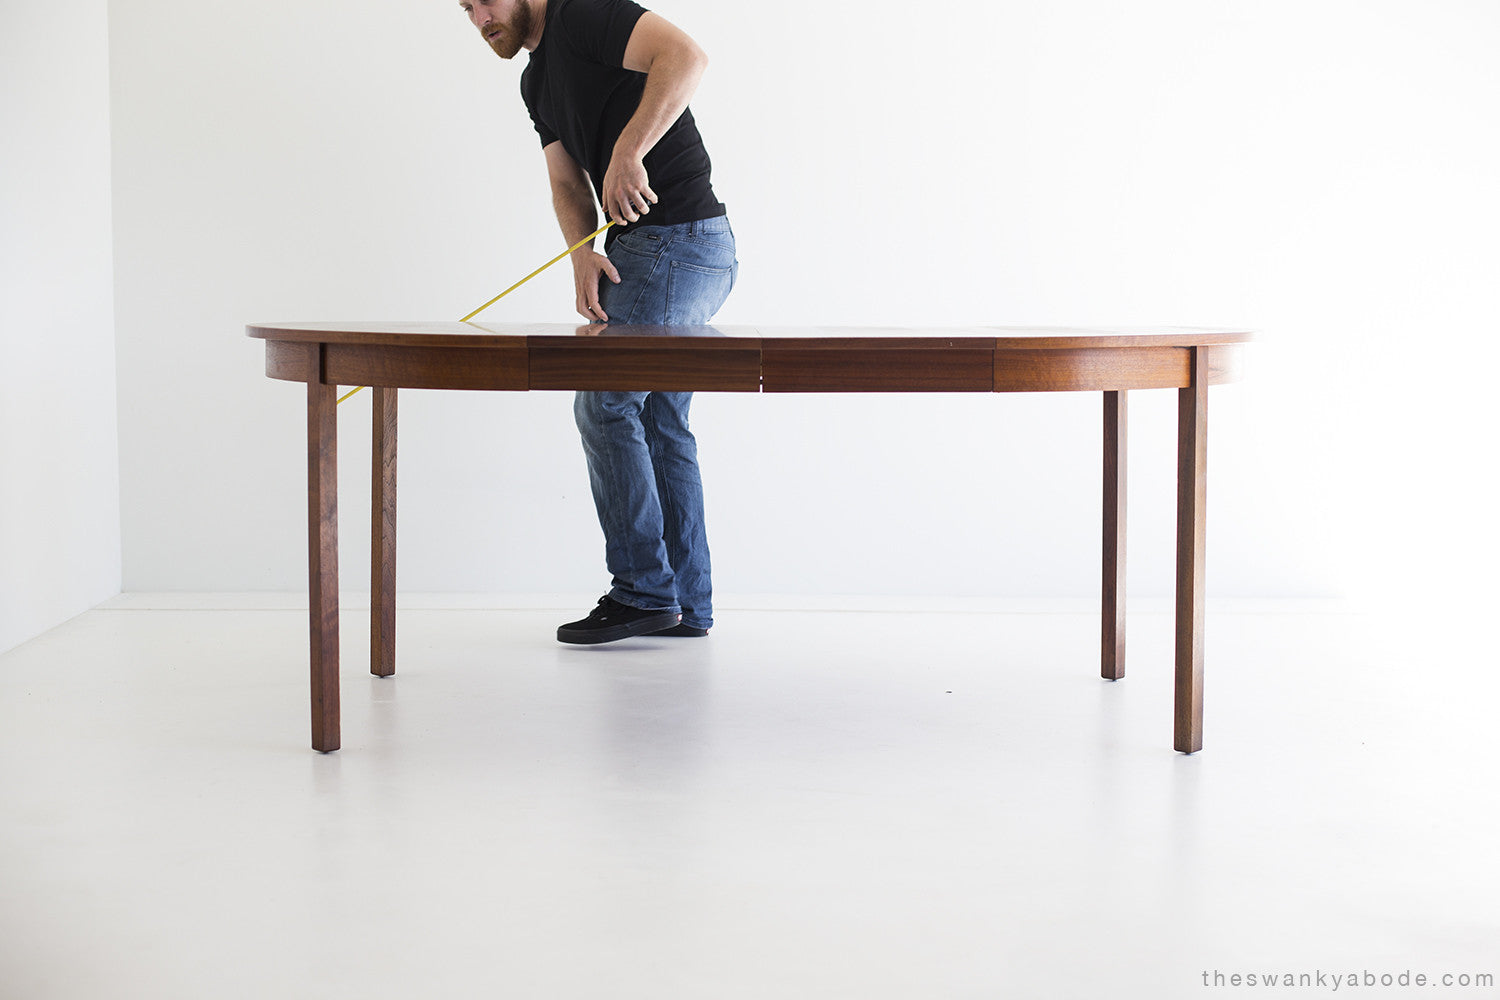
[{"x": 513, "y": 34}]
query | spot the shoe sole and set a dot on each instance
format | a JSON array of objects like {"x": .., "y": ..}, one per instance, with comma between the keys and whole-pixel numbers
[
  {"x": 683, "y": 632},
  {"x": 641, "y": 626}
]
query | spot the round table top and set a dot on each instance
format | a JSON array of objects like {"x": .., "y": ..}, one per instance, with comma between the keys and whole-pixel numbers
[
  {"x": 521, "y": 356},
  {"x": 480, "y": 334}
]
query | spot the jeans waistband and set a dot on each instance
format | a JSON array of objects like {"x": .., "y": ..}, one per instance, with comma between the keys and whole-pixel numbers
[
  {"x": 717, "y": 224},
  {"x": 701, "y": 227}
]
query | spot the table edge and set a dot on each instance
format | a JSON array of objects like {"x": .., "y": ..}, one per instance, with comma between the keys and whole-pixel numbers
[{"x": 936, "y": 339}]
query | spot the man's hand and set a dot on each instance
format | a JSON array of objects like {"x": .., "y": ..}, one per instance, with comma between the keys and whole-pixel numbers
[
  {"x": 627, "y": 190},
  {"x": 587, "y": 266}
]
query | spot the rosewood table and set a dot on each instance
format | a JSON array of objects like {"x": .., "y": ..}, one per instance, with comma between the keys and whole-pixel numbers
[{"x": 518, "y": 358}]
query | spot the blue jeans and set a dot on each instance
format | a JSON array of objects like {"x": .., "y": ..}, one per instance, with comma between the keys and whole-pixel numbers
[{"x": 642, "y": 458}]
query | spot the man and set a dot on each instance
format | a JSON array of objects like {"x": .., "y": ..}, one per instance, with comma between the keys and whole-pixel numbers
[{"x": 607, "y": 85}]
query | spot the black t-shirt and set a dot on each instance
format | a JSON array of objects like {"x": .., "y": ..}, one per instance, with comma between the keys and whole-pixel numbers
[{"x": 578, "y": 92}]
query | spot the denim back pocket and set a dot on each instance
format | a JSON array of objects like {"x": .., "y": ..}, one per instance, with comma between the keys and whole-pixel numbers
[{"x": 695, "y": 292}]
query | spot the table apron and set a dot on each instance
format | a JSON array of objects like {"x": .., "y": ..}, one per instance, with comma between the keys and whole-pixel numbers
[
  {"x": 1109, "y": 369},
  {"x": 769, "y": 368}
]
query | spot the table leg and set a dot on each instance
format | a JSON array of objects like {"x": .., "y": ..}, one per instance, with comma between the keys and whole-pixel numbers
[
  {"x": 1192, "y": 495},
  {"x": 1112, "y": 638},
  {"x": 383, "y": 535},
  {"x": 323, "y": 562}
]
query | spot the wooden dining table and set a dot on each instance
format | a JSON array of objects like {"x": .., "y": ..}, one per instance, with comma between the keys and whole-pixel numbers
[{"x": 515, "y": 357}]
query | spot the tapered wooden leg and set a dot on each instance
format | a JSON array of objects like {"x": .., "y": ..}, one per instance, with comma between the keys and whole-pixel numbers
[
  {"x": 1192, "y": 495},
  {"x": 323, "y": 562},
  {"x": 1112, "y": 618},
  {"x": 383, "y": 535}
]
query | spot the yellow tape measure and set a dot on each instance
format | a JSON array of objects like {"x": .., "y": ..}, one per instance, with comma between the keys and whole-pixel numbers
[{"x": 587, "y": 239}]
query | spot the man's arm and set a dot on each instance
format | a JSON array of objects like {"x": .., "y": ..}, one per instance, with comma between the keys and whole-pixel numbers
[
  {"x": 673, "y": 64},
  {"x": 573, "y": 200}
]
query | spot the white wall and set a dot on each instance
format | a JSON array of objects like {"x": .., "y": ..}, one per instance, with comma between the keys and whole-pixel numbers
[
  {"x": 59, "y": 467},
  {"x": 1323, "y": 173}
]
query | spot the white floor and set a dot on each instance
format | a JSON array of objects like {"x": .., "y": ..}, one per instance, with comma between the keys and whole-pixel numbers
[{"x": 818, "y": 805}]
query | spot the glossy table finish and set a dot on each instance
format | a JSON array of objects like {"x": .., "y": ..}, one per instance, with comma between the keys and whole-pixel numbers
[{"x": 519, "y": 357}]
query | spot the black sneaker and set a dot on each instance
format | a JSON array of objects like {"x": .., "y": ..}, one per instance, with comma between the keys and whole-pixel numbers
[
  {"x": 683, "y": 630},
  {"x": 611, "y": 620}
]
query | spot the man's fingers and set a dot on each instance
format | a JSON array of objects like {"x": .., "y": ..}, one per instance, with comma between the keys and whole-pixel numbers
[
  {"x": 587, "y": 301},
  {"x": 629, "y": 206},
  {"x": 609, "y": 269},
  {"x": 626, "y": 190},
  {"x": 592, "y": 309}
]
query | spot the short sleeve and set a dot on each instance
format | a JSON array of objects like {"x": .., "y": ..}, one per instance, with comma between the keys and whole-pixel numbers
[
  {"x": 544, "y": 133},
  {"x": 599, "y": 30},
  {"x": 529, "y": 98}
]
